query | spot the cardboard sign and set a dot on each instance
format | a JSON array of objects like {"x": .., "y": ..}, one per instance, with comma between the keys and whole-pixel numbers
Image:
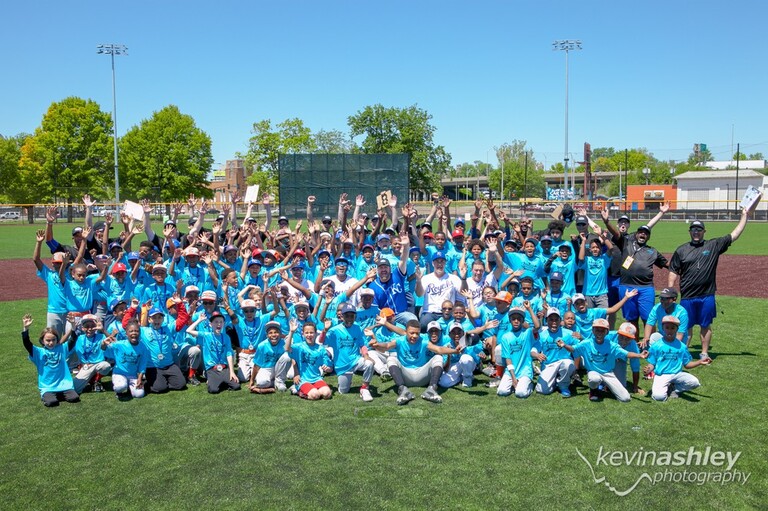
[
  {"x": 133, "y": 210},
  {"x": 383, "y": 199},
  {"x": 556, "y": 213},
  {"x": 252, "y": 194}
]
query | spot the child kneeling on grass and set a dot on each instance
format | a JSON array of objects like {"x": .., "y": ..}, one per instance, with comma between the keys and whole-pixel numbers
[
  {"x": 53, "y": 377},
  {"x": 270, "y": 363},
  {"x": 131, "y": 358},
  {"x": 310, "y": 360},
  {"x": 218, "y": 357}
]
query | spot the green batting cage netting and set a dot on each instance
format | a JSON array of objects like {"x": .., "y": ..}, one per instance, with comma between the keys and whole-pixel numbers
[{"x": 326, "y": 176}]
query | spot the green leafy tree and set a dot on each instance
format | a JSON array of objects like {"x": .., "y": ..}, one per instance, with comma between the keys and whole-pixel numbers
[
  {"x": 403, "y": 130},
  {"x": 10, "y": 179},
  {"x": 512, "y": 159},
  {"x": 756, "y": 156},
  {"x": 268, "y": 143},
  {"x": 165, "y": 158},
  {"x": 333, "y": 142},
  {"x": 69, "y": 154}
]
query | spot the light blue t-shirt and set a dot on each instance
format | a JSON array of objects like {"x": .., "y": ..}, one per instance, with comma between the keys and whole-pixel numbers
[
  {"x": 88, "y": 349},
  {"x": 57, "y": 302},
  {"x": 516, "y": 347},
  {"x": 547, "y": 344},
  {"x": 216, "y": 348},
  {"x": 159, "y": 345},
  {"x": 596, "y": 274},
  {"x": 668, "y": 357},
  {"x": 599, "y": 357},
  {"x": 657, "y": 314},
  {"x": 52, "y": 370},
  {"x": 346, "y": 344},
  {"x": 267, "y": 354},
  {"x": 584, "y": 320},
  {"x": 130, "y": 360},
  {"x": 413, "y": 355},
  {"x": 309, "y": 358}
]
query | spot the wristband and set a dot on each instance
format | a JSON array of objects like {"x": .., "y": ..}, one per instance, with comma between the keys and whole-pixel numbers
[{"x": 510, "y": 368}]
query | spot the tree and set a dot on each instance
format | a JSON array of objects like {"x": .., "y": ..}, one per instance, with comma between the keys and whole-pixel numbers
[
  {"x": 69, "y": 154},
  {"x": 333, "y": 141},
  {"x": 403, "y": 130},
  {"x": 517, "y": 183},
  {"x": 166, "y": 157},
  {"x": 10, "y": 179},
  {"x": 756, "y": 156},
  {"x": 268, "y": 143}
]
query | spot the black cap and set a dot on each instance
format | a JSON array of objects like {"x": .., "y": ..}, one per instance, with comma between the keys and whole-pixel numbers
[
  {"x": 696, "y": 224},
  {"x": 581, "y": 220},
  {"x": 624, "y": 218},
  {"x": 668, "y": 292}
]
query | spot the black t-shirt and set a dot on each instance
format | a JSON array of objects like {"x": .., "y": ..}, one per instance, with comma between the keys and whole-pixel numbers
[
  {"x": 640, "y": 272},
  {"x": 696, "y": 264}
]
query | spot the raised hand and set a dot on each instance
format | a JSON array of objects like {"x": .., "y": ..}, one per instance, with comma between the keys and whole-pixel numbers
[
  {"x": 40, "y": 236},
  {"x": 88, "y": 201},
  {"x": 26, "y": 320}
]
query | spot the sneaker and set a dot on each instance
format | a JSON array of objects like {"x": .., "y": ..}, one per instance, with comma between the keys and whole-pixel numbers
[
  {"x": 385, "y": 376},
  {"x": 193, "y": 381},
  {"x": 366, "y": 396},
  {"x": 703, "y": 355},
  {"x": 600, "y": 387},
  {"x": 98, "y": 387},
  {"x": 467, "y": 382},
  {"x": 576, "y": 380},
  {"x": 280, "y": 386},
  {"x": 294, "y": 390},
  {"x": 489, "y": 370},
  {"x": 565, "y": 392},
  {"x": 405, "y": 396},
  {"x": 431, "y": 395},
  {"x": 649, "y": 376},
  {"x": 673, "y": 395},
  {"x": 594, "y": 395},
  {"x": 493, "y": 383}
]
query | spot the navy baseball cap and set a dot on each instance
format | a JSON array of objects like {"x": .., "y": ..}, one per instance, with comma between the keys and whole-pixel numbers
[
  {"x": 348, "y": 307},
  {"x": 623, "y": 218},
  {"x": 556, "y": 275},
  {"x": 696, "y": 224},
  {"x": 438, "y": 255}
]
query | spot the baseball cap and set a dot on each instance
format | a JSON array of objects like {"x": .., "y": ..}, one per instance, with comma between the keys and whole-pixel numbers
[
  {"x": 456, "y": 325},
  {"x": 655, "y": 337},
  {"x": 670, "y": 319},
  {"x": 623, "y": 218},
  {"x": 192, "y": 220},
  {"x": 297, "y": 305},
  {"x": 342, "y": 260},
  {"x": 390, "y": 231},
  {"x": 517, "y": 310},
  {"x": 459, "y": 221},
  {"x": 425, "y": 225},
  {"x": 77, "y": 230},
  {"x": 432, "y": 325},
  {"x": 367, "y": 291},
  {"x": 229, "y": 248},
  {"x": 429, "y": 235},
  {"x": 170, "y": 222},
  {"x": 89, "y": 317},
  {"x": 282, "y": 219},
  {"x": 556, "y": 275},
  {"x": 696, "y": 224},
  {"x": 208, "y": 295},
  {"x": 99, "y": 226},
  {"x": 668, "y": 292},
  {"x": 170, "y": 302},
  {"x": 254, "y": 262},
  {"x": 531, "y": 240},
  {"x": 367, "y": 247},
  {"x": 58, "y": 257},
  {"x": 133, "y": 256},
  {"x": 114, "y": 244},
  {"x": 114, "y": 302},
  {"x": 323, "y": 252},
  {"x": 644, "y": 228},
  {"x": 118, "y": 267},
  {"x": 553, "y": 310},
  {"x": 326, "y": 218},
  {"x": 300, "y": 253},
  {"x": 386, "y": 312},
  {"x": 159, "y": 267},
  {"x": 248, "y": 304},
  {"x": 578, "y": 296},
  {"x": 270, "y": 325},
  {"x": 581, "y": 220},
  {"x": 627, "y": 329},
  {"x": 347, "y": 308},
  {"x": 546, "y": 237},
  {"x": 503, "y": 296},
  {"x": 383, "y": 237},
  {"x": 217, "y": 314},
  {"x": 154, "y": 311},
  {"x": 191, "y": 251},
  {"x": 457, "y": 234},
  {"x": 438, "y": 255},
  {"x": 383, "y": 262},
  {"x": 191, "y": 289},
  {"x": 250, "y": 219},
  {"x": 601, "y": 323}
]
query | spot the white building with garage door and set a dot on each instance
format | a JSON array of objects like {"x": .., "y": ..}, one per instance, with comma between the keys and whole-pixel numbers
[{"x": 716, "y": 189}]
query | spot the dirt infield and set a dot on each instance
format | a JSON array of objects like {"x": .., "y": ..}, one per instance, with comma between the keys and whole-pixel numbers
[{"x": 737, "y": 276}]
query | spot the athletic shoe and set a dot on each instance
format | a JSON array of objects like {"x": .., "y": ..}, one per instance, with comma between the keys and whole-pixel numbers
[
  {"x": 385, "y": 376},
  {"x": 703, "y": 355},
  {"x": 405, "y": 396},
  {"x": 431, "y": 395},
  {"x": 467, "y": 382},
  {"x": 489, "y": 370},
  {"x": 294, "y": 390},
  {"x": 366, "y": 396},
  {"x": 98, "y": 387},
  {"x": 649, "y": 376},
  {"x": 594, "y": 395},
  {"x": 673, "y": 395},
  {"x": 280, "y": 385},
  {"x": 193, "y": 381},
  {"x": 493, "y": 383},
  {"x": 576, "y": 380},
  {"x": 565, "y": 392}
]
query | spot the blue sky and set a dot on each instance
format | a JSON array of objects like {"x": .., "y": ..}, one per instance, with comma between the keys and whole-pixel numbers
[{"x": 656, "y": 74}]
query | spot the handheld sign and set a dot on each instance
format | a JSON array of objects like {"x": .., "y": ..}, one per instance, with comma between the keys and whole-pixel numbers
[{"x": 383, "y": 199}]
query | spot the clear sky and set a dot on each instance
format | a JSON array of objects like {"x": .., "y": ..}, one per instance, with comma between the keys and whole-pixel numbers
[{"x": 656, "y": 74}]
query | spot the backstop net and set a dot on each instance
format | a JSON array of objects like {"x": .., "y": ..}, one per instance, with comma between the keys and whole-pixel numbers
[{"x": 326, "y": 176}]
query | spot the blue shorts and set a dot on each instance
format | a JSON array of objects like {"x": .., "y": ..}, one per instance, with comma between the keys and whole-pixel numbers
[
  {"x": 640, "y": 305},
  {"x": 613, "y": 291},
  {"x": 702, "y": 310}
]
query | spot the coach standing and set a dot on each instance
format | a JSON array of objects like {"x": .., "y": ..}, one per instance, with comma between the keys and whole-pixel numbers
[{"x": 695, "y": 264}]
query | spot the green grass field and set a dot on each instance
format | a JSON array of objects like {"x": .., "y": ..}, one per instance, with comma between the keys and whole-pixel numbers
[
  {"x": 18, "y": 240},
  {"x": 474, "y": 451}
]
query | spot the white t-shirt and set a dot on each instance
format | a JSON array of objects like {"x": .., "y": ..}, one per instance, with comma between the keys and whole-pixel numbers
[{"x": 437, "y": 290}]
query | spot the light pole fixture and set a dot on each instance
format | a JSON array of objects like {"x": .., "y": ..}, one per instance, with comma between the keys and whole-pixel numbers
[
  {"x": 647, "y": 174},
  {"x": 112, "y": 50},
  {"x": 567, "y": 45}
]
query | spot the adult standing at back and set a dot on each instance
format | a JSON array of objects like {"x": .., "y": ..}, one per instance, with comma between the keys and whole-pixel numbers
[{"x": 695, "y": 264}]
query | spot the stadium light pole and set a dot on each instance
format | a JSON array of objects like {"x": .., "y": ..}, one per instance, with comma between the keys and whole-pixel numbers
[
  {"x": 112, "y": 50},
  {"x": 567, "y": 45}
]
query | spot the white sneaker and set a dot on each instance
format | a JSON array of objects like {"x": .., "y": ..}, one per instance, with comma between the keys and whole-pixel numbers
[
  {"x": 703, "y": 355},
  {"x": 366, "y": 396},
  {"x": 280, "y": 386}
]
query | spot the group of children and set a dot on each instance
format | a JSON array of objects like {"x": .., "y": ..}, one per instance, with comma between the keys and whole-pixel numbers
[{"x": 260, "y": 307}]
